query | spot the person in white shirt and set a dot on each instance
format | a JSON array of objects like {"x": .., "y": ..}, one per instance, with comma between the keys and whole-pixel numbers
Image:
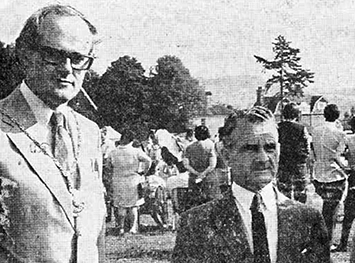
[
  {"x": 254, "y": 222},
  {"x": 329, "y": 178}
]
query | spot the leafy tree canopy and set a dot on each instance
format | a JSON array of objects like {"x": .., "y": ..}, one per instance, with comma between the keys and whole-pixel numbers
[
  {"x": 82, "y": 104},
  {"x": 10, "y": 71},
  {"x": 175, "y": 95},
  {"x": 122, "y": 96}
]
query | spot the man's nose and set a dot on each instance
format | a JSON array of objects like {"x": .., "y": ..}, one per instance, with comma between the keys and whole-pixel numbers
[
  {"x": 66, "y": 65},
  {"x": 261, "y": 160},
  {"x": 262, "y": 155}
]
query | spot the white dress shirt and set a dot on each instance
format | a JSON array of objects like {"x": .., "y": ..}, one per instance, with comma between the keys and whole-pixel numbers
[
  {"x": 244, "y": 199},
  {"x": 42, "y": 114}
]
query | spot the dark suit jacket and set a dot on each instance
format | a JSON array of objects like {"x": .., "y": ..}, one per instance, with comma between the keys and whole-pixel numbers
[
  {"x": 214, "y": 232},
  {"x": 36, "y": 212}
]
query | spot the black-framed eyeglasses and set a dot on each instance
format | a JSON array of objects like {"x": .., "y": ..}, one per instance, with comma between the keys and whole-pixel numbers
[{"x": 55, "y": 57}]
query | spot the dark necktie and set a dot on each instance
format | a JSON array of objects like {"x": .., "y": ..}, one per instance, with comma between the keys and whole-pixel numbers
[
  {"x": 62, "y": 144},
  {"x": 261, "y": 247}
]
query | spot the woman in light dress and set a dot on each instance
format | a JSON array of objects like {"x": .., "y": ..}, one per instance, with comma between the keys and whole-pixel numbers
[{"x": 125, "y": 163}]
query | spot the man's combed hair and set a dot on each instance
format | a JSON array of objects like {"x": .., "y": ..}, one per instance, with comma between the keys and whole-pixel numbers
[
  {"x": 256, "y": 114},
  {"x": 259, "y": 114},
  {"x": 30, "y": 37},
  {"x": 231, "y": 122}
]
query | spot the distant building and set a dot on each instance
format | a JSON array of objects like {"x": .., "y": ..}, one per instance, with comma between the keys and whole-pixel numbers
[
  {"x": 311, "y": 106},
  {"x": 213, "y": 122},
  {"x": 213, "y": 116}
]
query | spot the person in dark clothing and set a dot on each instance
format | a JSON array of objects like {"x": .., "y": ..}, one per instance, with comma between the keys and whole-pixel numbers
[
  {"x": 295, "y": 149},
  {"x": 200, "y": 160},
  {"x": 254, "y": 222}
]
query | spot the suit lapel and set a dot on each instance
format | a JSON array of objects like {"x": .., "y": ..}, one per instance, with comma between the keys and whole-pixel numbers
[
  {"x": 293, "y": 235},
  {"x": 230, "y": 230},
  {"x": 46, "y": 171},
  {"x": 42, "y": 165},
  {"x": 283, "y": 224}
]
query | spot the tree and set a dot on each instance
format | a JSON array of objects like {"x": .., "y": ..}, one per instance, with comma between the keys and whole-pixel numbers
[
  {"x": 126, "y": 98},
  {"x": 10, "y": 71},
  {"x": 175, "y": 95},
  {"x": 289, "y": 73},
  {"x": 122, "y": 97},
  {"x": 221, "y": 109},
  {"x": 82, "y": 104}
]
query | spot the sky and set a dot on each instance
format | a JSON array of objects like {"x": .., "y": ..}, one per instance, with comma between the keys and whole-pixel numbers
[{"x": 216, "y": 38}]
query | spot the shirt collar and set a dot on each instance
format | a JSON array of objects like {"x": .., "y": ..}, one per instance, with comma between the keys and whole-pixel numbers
[
  {"x": 40, "y": 110},
  {"x": 245, "y": 197},
  {"x": 269, "y": 196}
]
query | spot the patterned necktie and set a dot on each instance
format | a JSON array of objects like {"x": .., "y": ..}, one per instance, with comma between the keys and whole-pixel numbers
[
  {"x": 62, "y": 143},
  {"x": 261, "y": 247}
]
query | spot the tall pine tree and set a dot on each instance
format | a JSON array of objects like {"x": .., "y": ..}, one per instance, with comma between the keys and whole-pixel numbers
[{"x": 288, "y": 72}]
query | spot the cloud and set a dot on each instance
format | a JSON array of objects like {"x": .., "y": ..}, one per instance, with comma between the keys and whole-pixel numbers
[{"x": 4, "y": 4}]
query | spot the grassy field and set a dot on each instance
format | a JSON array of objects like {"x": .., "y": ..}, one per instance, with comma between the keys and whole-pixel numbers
[
  {"x": 341, "y": 257},
  {"x": 152, "y": 245}
]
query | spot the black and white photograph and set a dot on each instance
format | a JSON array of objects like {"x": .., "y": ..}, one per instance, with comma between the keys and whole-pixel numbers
[{"x": 180, "y": 131}]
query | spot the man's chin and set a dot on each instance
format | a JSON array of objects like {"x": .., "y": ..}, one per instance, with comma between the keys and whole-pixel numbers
[
  {"x": 66, "y": 92},
  {"x": 60, "y": 97},
  {"x": 259, "y": 181}
]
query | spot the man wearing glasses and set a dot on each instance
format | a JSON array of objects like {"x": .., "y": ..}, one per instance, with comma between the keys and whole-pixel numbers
[{"x": 51, "y": 195}]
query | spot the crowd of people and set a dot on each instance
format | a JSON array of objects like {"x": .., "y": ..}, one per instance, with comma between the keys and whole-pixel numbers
[
  {"x": 189, "y": 176},
  {"x": 243, "y": 197},
  {"x": 322, "y": 157}
]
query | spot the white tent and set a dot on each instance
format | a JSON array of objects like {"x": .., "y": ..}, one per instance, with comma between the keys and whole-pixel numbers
[{"x": 112, "y": 134}]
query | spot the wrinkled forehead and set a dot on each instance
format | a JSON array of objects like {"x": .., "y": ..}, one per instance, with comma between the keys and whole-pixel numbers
[{"x": 267, "y": 129}]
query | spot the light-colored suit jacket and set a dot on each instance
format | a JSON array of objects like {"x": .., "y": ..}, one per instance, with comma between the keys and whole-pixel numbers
[
  {"x": 36, "y": 212},
  {"x": 214, "y": 232}
]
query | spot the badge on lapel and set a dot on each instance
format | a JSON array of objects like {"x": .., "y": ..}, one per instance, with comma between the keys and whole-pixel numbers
[
  {"x": 94, "y": 165},
  {"x": 35, "y": 149}
]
